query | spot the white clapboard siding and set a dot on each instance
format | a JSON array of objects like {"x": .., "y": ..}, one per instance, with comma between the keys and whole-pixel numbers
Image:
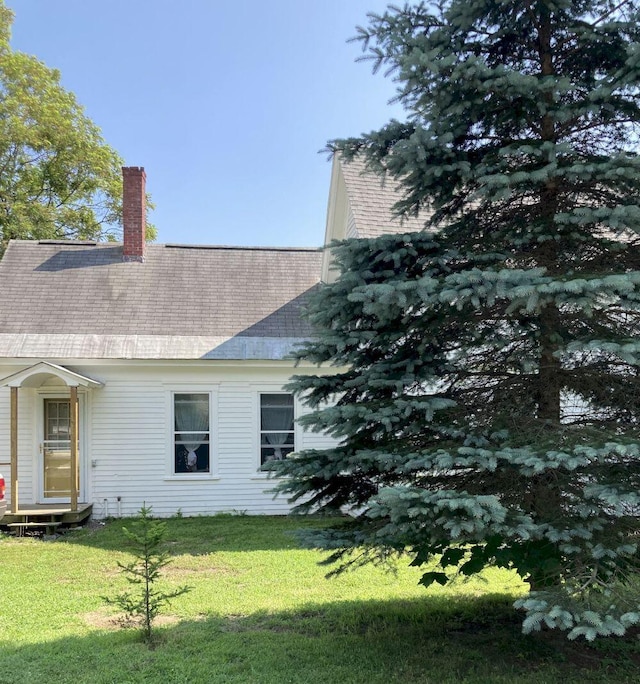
[
  {"x": 352, "y": 228},
  {"x": 27, "y": 444},
  {"x": 237, "y": 433},
  {"x": 127, "y": 445},
  {"x": 127, "y": 450},
  {"x": 5, "y": 444}
]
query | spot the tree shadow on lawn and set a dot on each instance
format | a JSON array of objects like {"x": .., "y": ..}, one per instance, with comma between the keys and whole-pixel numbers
[
  {"x": 436, "y": 639},
  {"x": 206, "y": 534}
]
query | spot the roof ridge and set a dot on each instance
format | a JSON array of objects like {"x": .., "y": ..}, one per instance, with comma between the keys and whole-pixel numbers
[
  {"x": 249, "y": 248},
  {"x": 94, "y": 243},
  {"x": 89, "y": 243}
]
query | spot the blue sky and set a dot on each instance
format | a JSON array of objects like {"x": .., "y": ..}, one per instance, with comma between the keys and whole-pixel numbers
[{"x": 225, "y": 104}]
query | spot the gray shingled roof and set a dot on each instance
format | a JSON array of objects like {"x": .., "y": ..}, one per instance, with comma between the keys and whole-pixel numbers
[
  {"x": 371, "y": 199},
  {"x": 80, "y": 299}
]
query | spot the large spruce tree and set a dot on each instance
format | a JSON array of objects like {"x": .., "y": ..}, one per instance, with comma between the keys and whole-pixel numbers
[{"x": 486, "y": 369}]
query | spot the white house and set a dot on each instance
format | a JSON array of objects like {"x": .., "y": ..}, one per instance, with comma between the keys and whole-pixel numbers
[{"x": 134, "y": 373}]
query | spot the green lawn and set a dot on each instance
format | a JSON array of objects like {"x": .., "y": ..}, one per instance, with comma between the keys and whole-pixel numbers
[{"x": 261, "y": 611}]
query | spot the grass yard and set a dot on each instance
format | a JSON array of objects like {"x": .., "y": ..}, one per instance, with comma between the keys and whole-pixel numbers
[{"x": 261, "y": 611}]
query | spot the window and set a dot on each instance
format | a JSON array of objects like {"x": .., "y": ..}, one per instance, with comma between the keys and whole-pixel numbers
[
  {"x": 191, "y": 433},
  {"x": 276, "y": 427}
]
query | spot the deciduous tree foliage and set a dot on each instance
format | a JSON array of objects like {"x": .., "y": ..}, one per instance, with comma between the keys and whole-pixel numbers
[
  {"x": 58, "y": 177},
  {"x": 488, "y": 397}
]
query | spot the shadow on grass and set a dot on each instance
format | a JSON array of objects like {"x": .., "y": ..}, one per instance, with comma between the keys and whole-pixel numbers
[
  {"x": 204, "y": 535},
  {"x": 435, "y": 639}
]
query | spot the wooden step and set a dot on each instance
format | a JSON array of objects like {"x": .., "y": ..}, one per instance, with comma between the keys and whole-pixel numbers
[
  {"x": 44, "y": 523},
  {"x": 49, "y": 526},
  {"x": 33, "y": 512}
]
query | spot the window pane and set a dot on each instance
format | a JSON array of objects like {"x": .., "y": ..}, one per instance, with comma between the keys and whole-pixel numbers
[
  {"x": 56, "y": 419},
  {"x": 187, "y": 437},
  {"x": 276, "y": 412},
  {"x": 186, "y": 463},
  {"x": 276, "y": 427},
  {"x": 277, "y": 438},
  {"x": 191, "y": 412},
  {"x": 271, "y": 454},
  {"x": 191, "y": 433},
  {"x": 280, "y": 399}
]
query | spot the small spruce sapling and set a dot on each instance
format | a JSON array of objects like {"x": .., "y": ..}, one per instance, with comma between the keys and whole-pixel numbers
[{"x": 143, "y": 604}]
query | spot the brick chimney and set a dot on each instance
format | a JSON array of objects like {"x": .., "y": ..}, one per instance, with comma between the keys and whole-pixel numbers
[{"x": 133, "y": 213}]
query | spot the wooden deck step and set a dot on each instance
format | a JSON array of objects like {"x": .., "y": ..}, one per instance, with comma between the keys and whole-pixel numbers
[
  {"x": 49, "y": 526},
  {"x": 49, "y": 513},
  {"x": 42, "y": 523}
]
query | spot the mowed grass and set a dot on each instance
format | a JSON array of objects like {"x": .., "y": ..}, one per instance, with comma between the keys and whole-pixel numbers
[{"x": 260, "y": 610}]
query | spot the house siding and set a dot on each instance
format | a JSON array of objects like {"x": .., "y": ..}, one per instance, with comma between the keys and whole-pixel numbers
[
  {"x": 127, "y": 444},
  {"x": 26, "y": 443},
  {"x": 352, "y": 228}
]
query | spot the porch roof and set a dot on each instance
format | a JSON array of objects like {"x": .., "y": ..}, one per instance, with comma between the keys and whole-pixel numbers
[{"x": 35, "y": 375}]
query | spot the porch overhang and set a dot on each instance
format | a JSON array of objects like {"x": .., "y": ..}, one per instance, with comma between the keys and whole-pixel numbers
[{"x": 35, "y": 375}]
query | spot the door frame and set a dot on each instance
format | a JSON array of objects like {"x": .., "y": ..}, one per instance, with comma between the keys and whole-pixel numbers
[{"x": 60, "y": 393}]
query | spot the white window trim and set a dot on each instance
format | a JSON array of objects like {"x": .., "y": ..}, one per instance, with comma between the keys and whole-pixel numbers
[
  {"x": 270, "y": 388},
  {"x": 214, "y": 432}
]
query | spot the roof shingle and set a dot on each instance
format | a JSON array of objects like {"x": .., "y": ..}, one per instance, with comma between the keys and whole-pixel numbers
[
  {"x": 371, "y": 199},
  {"x": 69, "y": 288}
]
